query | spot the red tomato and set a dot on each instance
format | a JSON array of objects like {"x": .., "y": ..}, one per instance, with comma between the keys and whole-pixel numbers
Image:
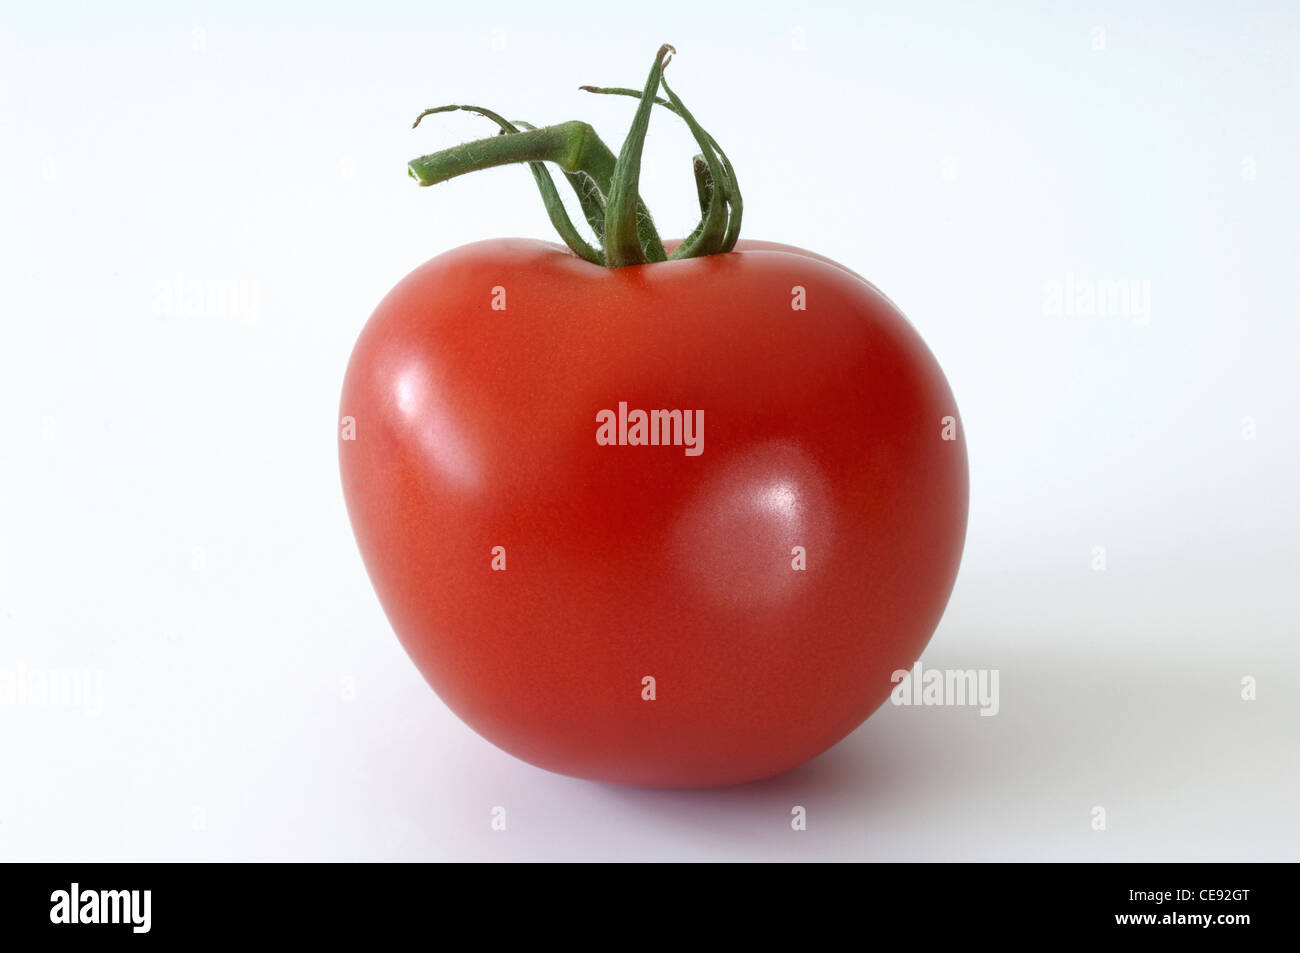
[{"x": 655, "y": 622}]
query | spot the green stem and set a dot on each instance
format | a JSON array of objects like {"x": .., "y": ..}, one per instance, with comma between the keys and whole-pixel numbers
[
  {"x": 600, "y": 165},
  {"x": 733, "y": 200},
  {"x": 704, "y": 192},
  {"x": 707, "y": 240},
  {"x": 564, "y": 144},
  {"x": 545, "y": 185},
  {"x": 606, "y": 186},
  {"x": 622, "y": 241},
  {"x": 703, "y": 183},
  {"x": 590, "y": 198}
]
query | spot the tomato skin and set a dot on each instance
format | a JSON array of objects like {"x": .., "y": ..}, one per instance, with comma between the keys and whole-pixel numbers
[{"x": 476, "y": 428}]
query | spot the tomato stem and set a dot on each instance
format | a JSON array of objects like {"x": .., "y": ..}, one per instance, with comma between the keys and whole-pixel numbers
[
  {"x": 731, "y": 189},
  {"x": 546, "y": 185},
  {"x": 606, "y": 186},
  {"x": 622, "y": 246}
]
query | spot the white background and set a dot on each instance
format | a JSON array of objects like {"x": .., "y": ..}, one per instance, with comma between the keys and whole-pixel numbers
[{"x": 201, "y": 204}]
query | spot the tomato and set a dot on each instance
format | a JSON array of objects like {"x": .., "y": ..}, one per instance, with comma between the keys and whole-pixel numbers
[{"x": 713, "y": 608}]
